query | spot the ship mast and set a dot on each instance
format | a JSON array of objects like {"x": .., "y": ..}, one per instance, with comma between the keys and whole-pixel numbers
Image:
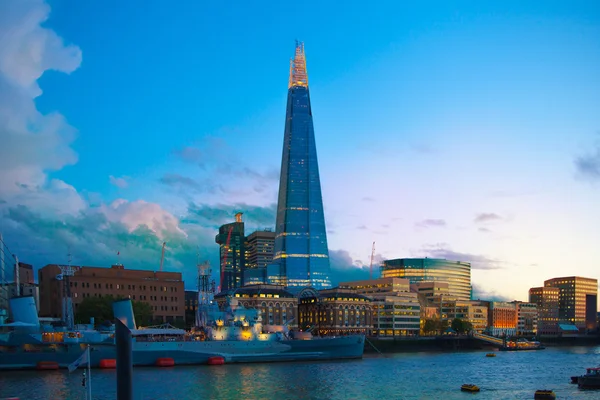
[
  {"x": 206, "y": 292},
  {"x": 66, "y": 271}
]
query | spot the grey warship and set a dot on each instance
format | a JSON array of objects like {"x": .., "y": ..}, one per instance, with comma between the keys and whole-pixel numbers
[{"x": 235, "y": 336}]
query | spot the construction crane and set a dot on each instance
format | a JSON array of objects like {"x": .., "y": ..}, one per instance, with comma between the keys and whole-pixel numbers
[
  {"x": 162, "y": 256},
  {"x": 371, "y": 266}
]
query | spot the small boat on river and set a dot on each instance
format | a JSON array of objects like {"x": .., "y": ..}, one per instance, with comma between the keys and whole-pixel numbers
[
  {"x": 591, "y": 379},
  {"x": 522, "y": 344},
  {"x": 468, "y": 387}
]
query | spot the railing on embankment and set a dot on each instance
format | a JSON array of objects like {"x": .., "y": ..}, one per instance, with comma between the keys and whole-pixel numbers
[{"x": 488, "y": 339}]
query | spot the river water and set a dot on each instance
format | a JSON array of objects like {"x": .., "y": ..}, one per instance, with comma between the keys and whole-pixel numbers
[{"x": 510, "y": 375}]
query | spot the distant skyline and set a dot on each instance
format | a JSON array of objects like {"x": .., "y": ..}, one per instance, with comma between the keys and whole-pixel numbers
[{"x": 465, "y": 131}]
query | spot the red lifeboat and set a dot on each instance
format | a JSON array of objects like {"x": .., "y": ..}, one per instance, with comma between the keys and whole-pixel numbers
[
  {"x": 216, "y": 361},
  {"x": 108, "y": 363},
  {"x": 165, "y": 362},
  {"x": 46, "y": 365}
]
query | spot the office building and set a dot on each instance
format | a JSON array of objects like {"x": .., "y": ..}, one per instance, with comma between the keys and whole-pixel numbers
[
  {"x": 577, "y": 301},
  {"x": 546, "y": 301},
  {"x": 232, "y": 252},
  {"x": 301, "y": 255},
  {"x": 259, "y": 253},
  {"x": 502, "y": 318},
  {"x": 456, "y": 273},
  {"x": 163, "y": 291},
  {"x": 396, "y": 310},
  {"x": 334, "y": 312},
  {"x": 527, "y": 318},
  {"x": 473, "y": 311},
  {"x": 432, "y": 291},
  {"x": 372, "y": 287}
]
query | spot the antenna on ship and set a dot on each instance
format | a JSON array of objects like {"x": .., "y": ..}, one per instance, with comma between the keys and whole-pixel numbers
[
  {"x": 206, "y": 292},
  {"x": 66, "y": 271}
]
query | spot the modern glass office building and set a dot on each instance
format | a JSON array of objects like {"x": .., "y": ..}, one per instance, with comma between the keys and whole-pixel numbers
[
  {"x": 231, "y": 253},
  {"x": 456, "y": 273},
  {"x": 577, "y": 300},
  {"x": 301, "y": 255}
]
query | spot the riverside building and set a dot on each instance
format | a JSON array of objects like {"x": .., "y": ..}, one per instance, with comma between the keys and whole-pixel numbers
[
  {"x": 164, "y": 291},
  {"x": 502, "y": 318},
  {"x": 527, "y": 318},
  {"x": 577, "y": 300},
  {"x": 334, "y": 311},
  {"x": 456, "y": 273},
  {"x": 301, "y": 256},
  {"x": 396, "y": 311},
  {"x": 546, "y": 300},
  {"x": 475, "y": 312}
]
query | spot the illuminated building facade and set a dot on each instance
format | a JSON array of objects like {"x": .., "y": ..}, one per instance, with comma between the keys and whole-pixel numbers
[
  {"x": 259, "y": 254},
  {"x": 456, "y": 273},
  {"x": 334, "y": 312},
  {"x": 431, "y": 291},
  {"x": 276, "y": 305},
  {"x": 231, "y": 241},
  {"x": 373, "y": 287},
  {"x": 475, "y": 312},
  {"x": 396, "y": 311},
  {"x": 502, "y": 318},
  {"x": 577, "y": 300},
  {"x": 546, "y": 300},
  {"x": 527, "y": 318},
  {"x": 301, "y": 255}
]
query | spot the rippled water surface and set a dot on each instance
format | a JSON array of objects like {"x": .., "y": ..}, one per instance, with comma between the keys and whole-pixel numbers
[{"x": 510, "y": 375}]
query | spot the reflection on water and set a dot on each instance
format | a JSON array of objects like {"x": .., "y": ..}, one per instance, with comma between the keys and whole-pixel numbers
[{"x": 510, "y": 375}]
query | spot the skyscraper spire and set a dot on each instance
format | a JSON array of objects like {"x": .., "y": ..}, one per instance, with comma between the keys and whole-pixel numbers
[
  {"x": 298, "y": 75},
  {"x": 301, "y": 256}
]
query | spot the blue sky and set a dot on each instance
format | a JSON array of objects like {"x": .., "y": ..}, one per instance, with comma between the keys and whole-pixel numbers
[{"x": 464, "y": 130}]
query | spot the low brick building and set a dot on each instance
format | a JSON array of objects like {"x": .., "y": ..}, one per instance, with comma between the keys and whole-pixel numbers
[{"x": 164, "y": 291}]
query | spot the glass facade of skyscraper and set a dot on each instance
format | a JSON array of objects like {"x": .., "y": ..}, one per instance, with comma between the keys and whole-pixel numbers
[
  {"x": 231, "y": 253},
  {"x": 456, "y": 273},
  {"x": 301, "y": 255},
  {"x": 577, "y": 300}
]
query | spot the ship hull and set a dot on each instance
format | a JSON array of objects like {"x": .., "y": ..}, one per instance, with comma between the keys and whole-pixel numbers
[{"x": 194, "y": 353}]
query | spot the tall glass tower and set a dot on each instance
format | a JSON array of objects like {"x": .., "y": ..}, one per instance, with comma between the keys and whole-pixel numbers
[{"x": 301, "y": 256}]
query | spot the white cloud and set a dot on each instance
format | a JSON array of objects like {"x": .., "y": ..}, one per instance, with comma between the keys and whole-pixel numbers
[
  {"x": 32, "y": 143},
  {"x": 136, "y": 213},
  {"x": 118, "y": 182},
  {"x": 27, "y": 49}
]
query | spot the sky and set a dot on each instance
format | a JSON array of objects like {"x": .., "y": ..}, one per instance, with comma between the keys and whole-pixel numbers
[{"x": 460, "y": 130}]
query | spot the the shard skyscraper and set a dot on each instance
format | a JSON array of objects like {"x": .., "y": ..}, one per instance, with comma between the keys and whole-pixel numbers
[{"x": 301, "y": 255}]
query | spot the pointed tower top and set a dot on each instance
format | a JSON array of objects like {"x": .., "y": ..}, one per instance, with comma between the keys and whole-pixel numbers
[{"x": 298, "y": 75}]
